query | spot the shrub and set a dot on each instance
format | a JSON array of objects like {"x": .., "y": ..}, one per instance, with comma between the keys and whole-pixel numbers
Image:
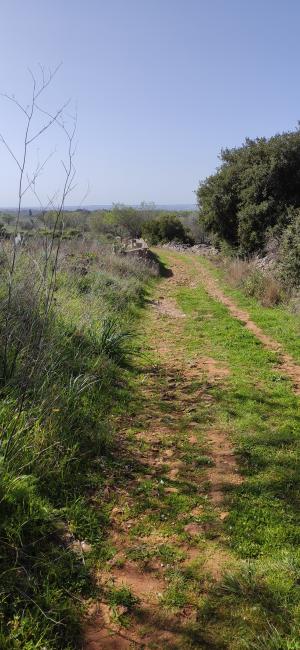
[
  {"x": 255, "y": 282},
  {"x": 290, "y": 253},
  {"x": 166, "y": 228},
  {"x": 253, "y": 191},
  {"x": 238, "y": 271},
  {"x": 272, "y": 292}
]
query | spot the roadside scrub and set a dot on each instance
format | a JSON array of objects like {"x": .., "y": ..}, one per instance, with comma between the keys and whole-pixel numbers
[{"x": 63, "y": 374}]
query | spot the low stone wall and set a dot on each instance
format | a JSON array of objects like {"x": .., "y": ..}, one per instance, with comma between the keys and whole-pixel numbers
[
  {"x": 141, "y": 253},
  {"x": 197, "y": 249}
]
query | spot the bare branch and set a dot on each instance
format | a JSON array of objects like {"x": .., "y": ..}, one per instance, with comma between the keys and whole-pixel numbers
[
  {"x": 2, "y": 139},
  {"x": 36, "y": 174},
  {"x": 46, "y": 83},
  {"x": 11, "y": 98},
  {"x": 53, "y": 119}
]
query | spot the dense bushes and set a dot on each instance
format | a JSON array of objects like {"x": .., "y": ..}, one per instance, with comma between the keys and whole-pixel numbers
[
  {"x": 290, "y": 253},
  {"x": 254, "y": 193},
  {"x": 164, "y": 229},
  {"x": 55, "y": 430}
]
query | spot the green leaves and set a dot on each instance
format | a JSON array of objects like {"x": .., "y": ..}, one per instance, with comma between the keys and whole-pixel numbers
[{"x": 251, "y": 194}]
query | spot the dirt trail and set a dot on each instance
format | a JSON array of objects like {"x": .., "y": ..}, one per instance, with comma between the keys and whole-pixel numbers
[
  {"x": 287, "y": 364},
  {"x": 168, "y": 439},
  {"x": 170, "y": 498}
]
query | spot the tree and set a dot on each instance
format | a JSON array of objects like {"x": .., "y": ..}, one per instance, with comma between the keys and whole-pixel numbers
[{"x": 254, "y": 189}]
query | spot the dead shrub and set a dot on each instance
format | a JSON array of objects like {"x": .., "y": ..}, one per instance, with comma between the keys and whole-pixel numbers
[
  {"x": 255, "y": 282},
  {"x": 238, "y": 271},
  {"x": 272, "y": 293}
]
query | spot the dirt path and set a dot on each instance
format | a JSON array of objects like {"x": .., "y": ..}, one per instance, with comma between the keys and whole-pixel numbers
[
  {"x": 287, "y": 364},
  {"x": 171, "y": 490}
]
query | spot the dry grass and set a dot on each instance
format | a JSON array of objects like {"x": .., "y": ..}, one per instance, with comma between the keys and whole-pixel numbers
[
  {"x": 272, "y": 293},
  {"x": 256, "y": 282},
  {"x": 238, "y": 271}
]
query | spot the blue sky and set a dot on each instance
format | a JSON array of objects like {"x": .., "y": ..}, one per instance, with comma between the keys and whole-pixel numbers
[{"x": 160, "y": 87}]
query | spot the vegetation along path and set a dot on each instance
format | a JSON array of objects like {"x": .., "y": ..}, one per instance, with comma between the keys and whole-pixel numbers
[{"x": 204, "y": 501}]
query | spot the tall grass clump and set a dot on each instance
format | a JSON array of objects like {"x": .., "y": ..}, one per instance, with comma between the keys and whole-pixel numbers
[{"x": 265, "y": 585}]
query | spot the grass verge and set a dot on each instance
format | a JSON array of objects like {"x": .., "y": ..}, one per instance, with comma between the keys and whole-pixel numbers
[{"x": 54, "y": 442}]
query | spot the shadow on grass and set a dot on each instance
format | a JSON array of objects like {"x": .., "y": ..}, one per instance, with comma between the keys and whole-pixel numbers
[{"x": 164, "y": 271}]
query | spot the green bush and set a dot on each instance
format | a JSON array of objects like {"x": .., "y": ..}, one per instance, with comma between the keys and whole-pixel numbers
[
  {"x": 253, "y": 191},
  {"x": 165, "y": 229},
  {"x": 290, "y": 253}
]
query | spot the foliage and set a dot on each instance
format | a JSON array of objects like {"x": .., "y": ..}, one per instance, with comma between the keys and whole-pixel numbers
[
  {"x": 290, "y": 253},
  {"x": 255, "y": 282},
  {"x": 164, "y": 229},
  {"x": 253, "y": 191}
]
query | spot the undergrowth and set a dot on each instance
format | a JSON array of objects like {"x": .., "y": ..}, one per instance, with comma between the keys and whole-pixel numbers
[{"x": 56, "y": 428}]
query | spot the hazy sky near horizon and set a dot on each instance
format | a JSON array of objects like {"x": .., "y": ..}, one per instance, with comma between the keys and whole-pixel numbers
[{"x": 160, "y": 86}]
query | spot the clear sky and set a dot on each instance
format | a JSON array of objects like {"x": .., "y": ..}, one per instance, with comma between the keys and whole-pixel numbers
[{"x": 160, "y": 87}]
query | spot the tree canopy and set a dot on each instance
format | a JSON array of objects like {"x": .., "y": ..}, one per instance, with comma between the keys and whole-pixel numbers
[{"x": 254, "y": 192}]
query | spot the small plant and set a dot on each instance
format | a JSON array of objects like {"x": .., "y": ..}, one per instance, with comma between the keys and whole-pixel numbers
[
  {"x": 115, "y": 341},
  {"x": 204, "y": 461},
  {"x": 122, "y": 596}
]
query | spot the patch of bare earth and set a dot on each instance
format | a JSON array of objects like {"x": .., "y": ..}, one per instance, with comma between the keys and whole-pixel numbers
[
  {"x": 101, "y": 633},
  {"x": 147, "y": 586},
  {"x": 168, "y": 307},
  {"x": 224, "y": 474}
]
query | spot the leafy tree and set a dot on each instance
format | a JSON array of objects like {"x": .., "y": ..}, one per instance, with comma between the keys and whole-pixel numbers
[
  {"x": 290, "y": 253},
  {"x": 251, "y": 194}
]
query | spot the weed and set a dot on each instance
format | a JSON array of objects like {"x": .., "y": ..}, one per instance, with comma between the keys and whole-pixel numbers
[
  {"x": 121, "y": 596},
  {"x": 204, "y": 461}
]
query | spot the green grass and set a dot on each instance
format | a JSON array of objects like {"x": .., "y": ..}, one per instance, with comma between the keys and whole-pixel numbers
[
  {"x": 258, "y": 409},
  {"x": 71, "y": 470},
  {"x": 57, "y": 452},
  {"x": 278, "y": 321}
]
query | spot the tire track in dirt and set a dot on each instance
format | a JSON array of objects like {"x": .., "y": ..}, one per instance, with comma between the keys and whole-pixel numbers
[
  {"x": 287, "y": 363},
  {"x": 174, "y": 382}
]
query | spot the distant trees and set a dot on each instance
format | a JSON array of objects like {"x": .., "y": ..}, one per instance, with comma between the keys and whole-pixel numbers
[
  {"x": 121, "y": 220},
  {"x": 254, "y": 192},
  {"x": 127, "y": 221}
]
